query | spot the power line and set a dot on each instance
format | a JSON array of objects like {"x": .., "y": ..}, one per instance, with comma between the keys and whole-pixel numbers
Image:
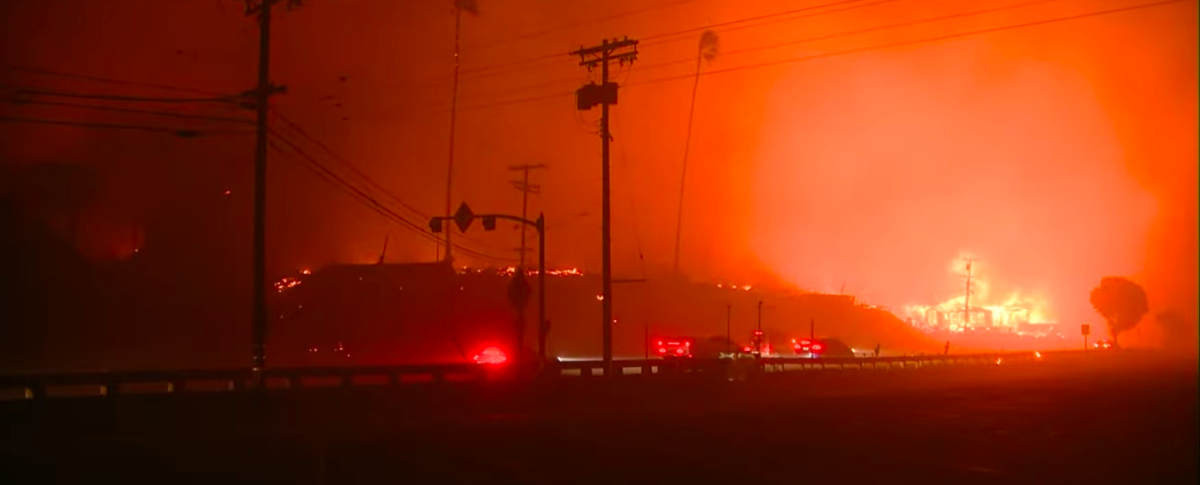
[
  {"x": 346, "y": 163},
  {"x": 328, "y": 175},
  {"x": 182, "y": 133},
  {"x": 793, "y": 60},
  {"x": 105, "y": 80},
  {"x": 556, "y": 58},
  {"x": 573, "y": 25},
  {"x": 137, "y": 111},
  {"x": 359, "y": 173},
  {"x": 925, "y": 40},
  {"x": 114, "y": 97},
  {"x": 689, "y": 60},
  {"x": 864, "y": 31},
  {"x": 718, "y": 25}
]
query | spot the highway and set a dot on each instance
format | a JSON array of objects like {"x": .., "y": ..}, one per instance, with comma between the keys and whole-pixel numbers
[{"x": 1109, "y": 418}]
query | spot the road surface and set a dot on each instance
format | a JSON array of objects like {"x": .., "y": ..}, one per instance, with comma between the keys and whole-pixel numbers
[{"x": 1107, "y": 420}]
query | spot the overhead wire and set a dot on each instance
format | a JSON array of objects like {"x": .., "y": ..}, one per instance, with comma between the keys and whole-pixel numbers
[
  {"x": 117, "y": 109},
  {"x": 356, "y": 193},
  {"x": 375, "y": 186},
  {"x": 906, "y": 43},
  {"x": 117, "y": 97},
  {"x": 180, "y": 132},
  {"x": 549, "y": 30},
  {"x": 792, "y": 60},
  {"x": 627, "y": 168},
  {"x": 859, "y": 32},
  {"x": 557, "y": 57},
  {"x": 346, "y": 163},
  {"x": 107, "y": 80}
]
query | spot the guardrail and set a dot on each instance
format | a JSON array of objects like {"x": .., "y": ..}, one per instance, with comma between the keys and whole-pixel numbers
[
  {"x": 37, "y": 386},
  {"x": 588, "y": 368}
]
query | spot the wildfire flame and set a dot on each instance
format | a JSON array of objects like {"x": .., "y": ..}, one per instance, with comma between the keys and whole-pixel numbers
[
  {"x": 1009, "y": 313},
  {"x": 286, "y": 283}
]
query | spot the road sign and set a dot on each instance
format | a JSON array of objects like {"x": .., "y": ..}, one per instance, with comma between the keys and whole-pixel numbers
[
  {"x": 463, "y": 217},
  {"x": 1085, "y": 330}
]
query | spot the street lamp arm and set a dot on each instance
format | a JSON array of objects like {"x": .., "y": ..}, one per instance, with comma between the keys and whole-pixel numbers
[{"x": 536, "y": 224}]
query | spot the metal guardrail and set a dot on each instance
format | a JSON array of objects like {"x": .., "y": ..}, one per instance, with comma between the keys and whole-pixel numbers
[
  {"x": 34, "y": 386},
  {"x": 37, "y": 386},
  {"x": 652, "y": 366}
]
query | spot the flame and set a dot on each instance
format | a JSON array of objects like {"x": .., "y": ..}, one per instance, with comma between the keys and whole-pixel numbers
[
  {"x": 286, "y": 283},
  {"x": 1008, "y": 313},
  {"x": 512, "y": 270}
]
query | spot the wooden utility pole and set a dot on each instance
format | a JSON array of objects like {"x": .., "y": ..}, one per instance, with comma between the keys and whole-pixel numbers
[
  {"x": 524, "y": 186},
  {"x": 261, "y": 95},
  {"x": 604, "y": 94}
]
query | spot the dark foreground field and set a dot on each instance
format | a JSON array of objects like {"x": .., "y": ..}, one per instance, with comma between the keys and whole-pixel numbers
[{"x": 1127, "y": 419}]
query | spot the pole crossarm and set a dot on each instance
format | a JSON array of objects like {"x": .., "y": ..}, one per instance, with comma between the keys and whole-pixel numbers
[{"x": 590, "y": 57}]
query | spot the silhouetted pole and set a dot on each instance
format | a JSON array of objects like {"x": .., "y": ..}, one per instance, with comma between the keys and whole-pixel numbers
[
  {"x": 606, "y": 229},
  {"x": 453, "y": 118},
  {"x": 261, "y": 95},
  {"x": 812, "y": 330},
  {"x": 707, "y": 50},
  {"x": 543, "y": 325},
  {"x": 646, "y": 339},
  {"x": 526, "y": 189},
  {"x": 967, "y": 300},
  {"x": 728, "y": 332},
  {"x": 604, "y": 95},
  {"x": 260, "y": 190},
  {"x": 758, "y": 341}
]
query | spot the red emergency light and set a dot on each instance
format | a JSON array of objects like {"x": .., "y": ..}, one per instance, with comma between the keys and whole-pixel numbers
[{"x": 491, "y": 355}]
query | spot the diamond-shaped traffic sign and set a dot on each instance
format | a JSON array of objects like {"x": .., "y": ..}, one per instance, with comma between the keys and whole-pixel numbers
[{"x": 463, "y": 217}]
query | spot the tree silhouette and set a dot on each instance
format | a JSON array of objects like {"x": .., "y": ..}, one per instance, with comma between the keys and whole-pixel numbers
[{"x": 1121, "y": 302}]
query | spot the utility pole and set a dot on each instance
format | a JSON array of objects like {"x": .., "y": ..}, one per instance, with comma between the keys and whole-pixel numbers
[
  {"x": 604, "y": 94},
  {"x": 473, "y": 8},
  {"x": 728, "y": 333},
  {"x": 526, "y": 189},
  {"x": 646, "y": 339},
  {"x": 261, "y": 94},
  {"x": 967, "y": 299}
]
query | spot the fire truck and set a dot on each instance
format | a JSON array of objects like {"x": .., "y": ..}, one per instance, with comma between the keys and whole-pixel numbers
[{"x": 675, "y": 348}]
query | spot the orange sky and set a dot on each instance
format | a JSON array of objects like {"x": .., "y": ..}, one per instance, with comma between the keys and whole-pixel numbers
[{"x": 1057, "y": 153}]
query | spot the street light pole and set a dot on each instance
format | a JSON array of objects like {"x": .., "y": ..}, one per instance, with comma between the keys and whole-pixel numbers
[
  {"x": 543, "y": 325},
  {"x": 758, "y": 334},
  {"x": 728, "y": 319}
]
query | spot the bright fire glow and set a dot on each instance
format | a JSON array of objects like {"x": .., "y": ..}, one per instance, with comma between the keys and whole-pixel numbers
[
  {"x": 491, "y": 355},
  {"x": 1015, "y": 313},
  {"x": 286, "y": 283}
]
